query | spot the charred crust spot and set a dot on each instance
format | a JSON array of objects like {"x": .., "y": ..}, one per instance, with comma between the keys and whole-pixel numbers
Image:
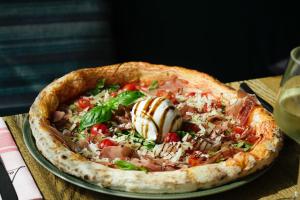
[
  {"x": 64, "y": 157},
  {"x": 76, "y": 170},
  {"x": 223, "y": 177},
  {"x": 86, "y": 177}
]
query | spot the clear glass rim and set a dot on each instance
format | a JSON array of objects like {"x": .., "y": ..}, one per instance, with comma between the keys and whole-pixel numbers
[{"x": 294, "y": 55}]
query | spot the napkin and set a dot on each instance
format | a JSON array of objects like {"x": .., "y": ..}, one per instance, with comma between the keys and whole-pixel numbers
[{"x": 13, "y": 162}]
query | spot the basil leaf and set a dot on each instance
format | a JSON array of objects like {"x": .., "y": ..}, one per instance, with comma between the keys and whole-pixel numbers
[
  {"x": 125, "y": 98},
  {"x": 125, "y": 132},
  {"x": 98, "y": 88},
  {"x": 239, "y": 144},
  {"x": 223, "y": 108},
  {"x": 101, "y": 85},
  {"x": 245, "y": 146},
  {"x": 137, "y": 135},
  {"x": 153, "y": 85},
  {"x": 122, "y": 164},
  {"x": 96, "y": 115},
  {"x": 183, "y": 133},
  {"x": 149, "y": 144},
  {"x": 227, "y": 132},
  {"x": 103, "y": 112},
  {"x": 220, "y": 160},
  {"x": 78, "y": 137},
  {"x": 113, "y": 88}
]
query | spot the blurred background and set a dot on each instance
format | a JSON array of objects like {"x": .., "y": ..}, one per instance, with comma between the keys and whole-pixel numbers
[{"x": 42, "y": 40}]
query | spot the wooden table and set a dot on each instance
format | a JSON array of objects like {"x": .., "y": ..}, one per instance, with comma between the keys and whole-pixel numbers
[{"x": 278, "y": 182}]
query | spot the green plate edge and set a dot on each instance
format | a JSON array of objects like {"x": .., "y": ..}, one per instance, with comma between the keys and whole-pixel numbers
[{"x": 30, "y": 144}]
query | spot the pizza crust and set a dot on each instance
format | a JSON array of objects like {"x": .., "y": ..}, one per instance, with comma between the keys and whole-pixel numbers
[{"x": 75, "y": 83}]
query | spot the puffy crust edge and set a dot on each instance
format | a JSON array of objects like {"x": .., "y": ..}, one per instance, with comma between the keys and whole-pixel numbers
[{"x": 184, "y": 180}]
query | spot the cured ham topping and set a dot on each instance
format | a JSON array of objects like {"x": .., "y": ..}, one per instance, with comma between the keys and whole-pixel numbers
[
  {"x": 100, "y": 125},
  {"x": 58, "y": 115},
  {"x": 247, "y": 106},
  {"x": 243, "y": 108},
  {"x": 113, "y": 152}
]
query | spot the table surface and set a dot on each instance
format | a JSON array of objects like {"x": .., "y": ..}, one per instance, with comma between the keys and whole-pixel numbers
[{"x": 278, "y": 182}]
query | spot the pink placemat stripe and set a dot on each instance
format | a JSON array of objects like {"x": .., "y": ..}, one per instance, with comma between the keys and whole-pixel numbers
[
  {"x": 8, "y": 149},
  {"x": 3, "y": 128},
  {"x": 6, "y": 140}
]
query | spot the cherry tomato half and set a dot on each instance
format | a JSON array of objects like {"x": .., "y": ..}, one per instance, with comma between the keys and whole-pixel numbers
[
  {"x": 238, "y": 129},
  {"x": 190, "y": 94},
  {"x": 106, "y": 143},
  {"x": 237, "y": 132},
  {"x": 114, "y": 94},
  {"x": 84, "y": 103},
  {"x": 252, "y": 139},
  {"x": 218, "y": 104},
  {"x": 195, "y": 160},
  {"x": 100, "y": 129},
  {"x": 129, "y": 87},
  {"x": 172, "y": 137}
]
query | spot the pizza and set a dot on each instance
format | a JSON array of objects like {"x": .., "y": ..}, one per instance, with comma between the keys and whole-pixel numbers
[{"x": 148, "y": 128}]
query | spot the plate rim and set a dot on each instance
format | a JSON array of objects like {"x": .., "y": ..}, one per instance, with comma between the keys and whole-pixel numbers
[{"x": 37, "y": 155}]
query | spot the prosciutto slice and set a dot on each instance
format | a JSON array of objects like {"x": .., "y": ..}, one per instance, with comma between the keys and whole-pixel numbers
[
  {"x": 113, "y": 152},
  {"x": 243, "y": 107},
  {"x": 174, "y": 84},
  {"x": 58, "y": 115},
  {"x": 187, "y": 109}
]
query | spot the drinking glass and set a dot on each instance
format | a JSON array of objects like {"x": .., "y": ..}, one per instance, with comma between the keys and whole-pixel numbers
[{"x": 287, "y": 107}]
